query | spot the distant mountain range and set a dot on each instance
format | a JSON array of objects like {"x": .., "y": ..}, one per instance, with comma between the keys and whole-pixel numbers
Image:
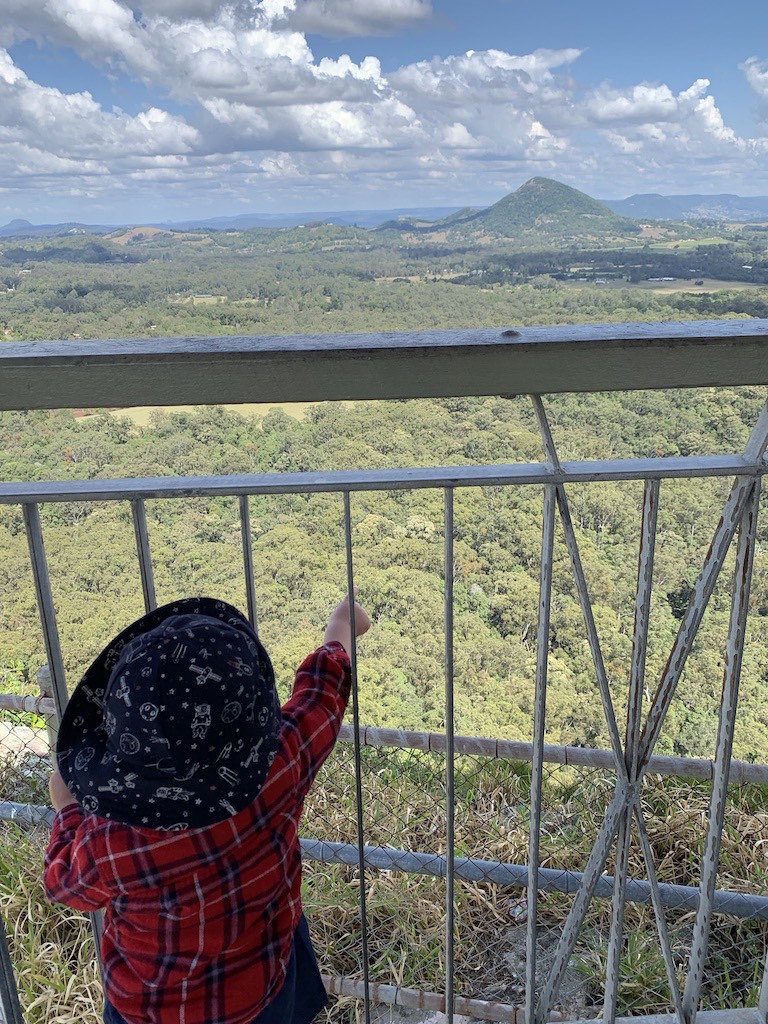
[
  {"x": 359, "y": 218},
  {"x": 651, "y": 206},
  {"x": 740, "y": 209},
  {"x": 540, "y": 203}
]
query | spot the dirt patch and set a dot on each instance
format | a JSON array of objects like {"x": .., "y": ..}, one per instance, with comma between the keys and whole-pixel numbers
[
  {"x": 139, "y": 234},
  {"x": 20, "y": 739}
]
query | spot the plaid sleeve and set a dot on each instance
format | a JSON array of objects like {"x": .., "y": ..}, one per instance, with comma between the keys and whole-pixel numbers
[
  {"x": 73, "y": 872},
  {"x": 313, "y": 715}
]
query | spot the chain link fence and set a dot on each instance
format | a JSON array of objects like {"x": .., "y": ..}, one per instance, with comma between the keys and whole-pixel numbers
[{"x": 405, "y": 823}]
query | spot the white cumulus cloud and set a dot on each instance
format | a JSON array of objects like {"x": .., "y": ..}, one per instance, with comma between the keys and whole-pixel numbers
[
  {"x": 341, "y": 18},
  {"x": 259, "y": 109}
]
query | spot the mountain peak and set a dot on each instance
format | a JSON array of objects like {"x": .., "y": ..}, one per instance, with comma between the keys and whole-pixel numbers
[{"x": 547, "y": 207}]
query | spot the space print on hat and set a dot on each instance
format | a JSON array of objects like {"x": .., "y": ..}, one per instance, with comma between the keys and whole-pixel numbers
[{"x": 176, "y": 724}]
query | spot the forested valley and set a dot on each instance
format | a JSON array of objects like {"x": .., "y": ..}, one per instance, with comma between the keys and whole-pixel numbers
[{"x": 322, "y": 278}]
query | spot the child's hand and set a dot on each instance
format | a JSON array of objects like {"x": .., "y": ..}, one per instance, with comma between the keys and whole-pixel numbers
[
  {"x": 60, "y": 795},
  {"x": 338, "y": 623}
]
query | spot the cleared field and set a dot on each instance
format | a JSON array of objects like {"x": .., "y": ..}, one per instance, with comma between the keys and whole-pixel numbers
[
  {"x": 141, "y": 415},
  {"x": 664, "y": 287}
]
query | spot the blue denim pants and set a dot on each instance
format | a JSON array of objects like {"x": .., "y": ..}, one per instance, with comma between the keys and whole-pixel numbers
[{"x": 300, "y": 999}]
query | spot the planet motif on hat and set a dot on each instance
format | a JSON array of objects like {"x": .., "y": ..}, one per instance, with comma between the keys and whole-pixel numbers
[
  {"x": 129, "y": 744},
  {"x": 84, "y": 757},
  {"x": 231, "y": 711}
]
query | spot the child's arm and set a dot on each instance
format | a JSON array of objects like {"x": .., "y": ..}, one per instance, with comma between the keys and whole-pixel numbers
[
  {"x": 61, "y": 796},
  {"x": 72, "y": 875},
  {"x": 313, "y": 715},
  {"x": 338, "y": 628}
]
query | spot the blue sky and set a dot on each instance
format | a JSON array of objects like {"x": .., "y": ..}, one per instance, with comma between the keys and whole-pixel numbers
[{"x": 115, "y": 112}]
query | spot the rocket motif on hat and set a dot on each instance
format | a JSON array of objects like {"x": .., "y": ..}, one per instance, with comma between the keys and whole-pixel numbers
[
  {"x": 174, "y": 793},
  {"x": 254, "y": 753}
]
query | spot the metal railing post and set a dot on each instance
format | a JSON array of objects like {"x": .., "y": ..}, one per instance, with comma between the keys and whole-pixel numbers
[
  {"x": 45, "y": 683},
  {"x": 10, "y": 1008}
]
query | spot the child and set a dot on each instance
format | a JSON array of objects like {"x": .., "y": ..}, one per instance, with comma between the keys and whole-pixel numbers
[{"x": 180, "y": 787}]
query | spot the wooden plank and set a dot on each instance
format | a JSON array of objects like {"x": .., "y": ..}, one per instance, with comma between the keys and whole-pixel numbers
[{"x": 422, "y": 364}]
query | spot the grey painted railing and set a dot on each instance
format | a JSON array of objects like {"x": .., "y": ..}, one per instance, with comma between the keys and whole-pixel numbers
[{"x": 531, "y": 361}]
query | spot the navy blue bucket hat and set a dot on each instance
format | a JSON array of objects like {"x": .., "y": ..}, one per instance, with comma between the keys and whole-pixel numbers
[{"x": 176, "y": 723}]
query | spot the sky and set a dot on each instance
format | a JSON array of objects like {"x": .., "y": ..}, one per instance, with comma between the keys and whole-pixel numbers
[{"x": 114, "y": 111}]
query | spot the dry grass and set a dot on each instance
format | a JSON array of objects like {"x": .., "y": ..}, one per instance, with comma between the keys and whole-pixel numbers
[{"x": 404, "y": 808}]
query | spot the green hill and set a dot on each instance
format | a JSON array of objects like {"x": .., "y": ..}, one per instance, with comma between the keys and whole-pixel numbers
[{"x": 545, "y": 208}]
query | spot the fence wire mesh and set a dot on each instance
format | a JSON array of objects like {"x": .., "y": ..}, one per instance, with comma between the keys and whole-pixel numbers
[{"x": 404, "y": 812}]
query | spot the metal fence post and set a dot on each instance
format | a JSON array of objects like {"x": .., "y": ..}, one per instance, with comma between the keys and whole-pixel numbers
[
  {"x": 10, "y": 1008},
  {"x": 45, "y": 683}
]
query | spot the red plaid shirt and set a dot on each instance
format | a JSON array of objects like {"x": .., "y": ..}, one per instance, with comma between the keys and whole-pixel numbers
[{"x": 199, "y": 925}]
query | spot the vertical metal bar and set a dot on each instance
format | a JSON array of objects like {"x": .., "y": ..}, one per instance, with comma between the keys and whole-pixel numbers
[
  {"x": 581, "y": 586},
  {"x": 755, "y": 448},
  {"x": 702, "y": 591},
  {"x": 45, "y": 606},
  {"x": 758, "y": 439},
  {"x": 592, "y": 872},
  {"x": 358, "y": 763},
  {"x": 10, "y": 1009},
  {"x": 762, "y": 1006},
  {"x": 591, "y": 628},
  {"x": 642, "y": 615},
  {"x": 47, "y": 614},
  {"x": 658, "y": 910},
  {"x": 250, "y": 581},
  {"x": 145, "y": 555},
  {"x": 634, "y": 708},
  {"x": 450, "y": 808},
  {"x": 731, "y": 677},
  {"x": 544, "y": 429},
  {"x": 537, "y": 762}
]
